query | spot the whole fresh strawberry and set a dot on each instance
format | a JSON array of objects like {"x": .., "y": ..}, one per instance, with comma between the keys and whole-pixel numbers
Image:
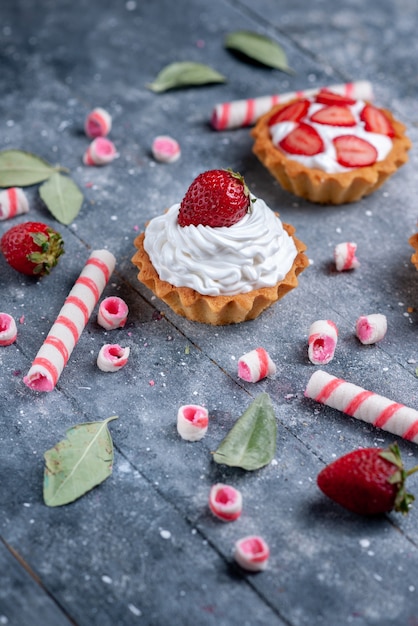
[
  {"x": 215, "y": 198},
  {"x": 368, "y": 481},
  {"x": 32, "y": 248}
]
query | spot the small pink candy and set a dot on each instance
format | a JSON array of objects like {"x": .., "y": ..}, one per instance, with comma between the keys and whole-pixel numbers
[
  {"x": 101, "y": 151},
  {"x": 322, "y": 341},
  {"x": 112, "y": 357},
  {"x": 225, "y": 502},
  {"x": 165, "y": 149},
  {"x": 192, "y": 422},
  {"x": 13, "y": 201},
  {"x": 371, "y": 328},
  {"x": 252, "y": 553},
  {"x": 113, "y": 313},
  {"x": 255, "y": 365},
  {"x": 345, "y": 256},
  {"x": 97, "y": 123},
  {"x": 8, "y": 329}
]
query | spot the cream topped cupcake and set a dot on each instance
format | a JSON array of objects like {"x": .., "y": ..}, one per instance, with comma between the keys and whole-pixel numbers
[
  {"x": 330, "y": 148},
  {"x": 220, "y": 256}
]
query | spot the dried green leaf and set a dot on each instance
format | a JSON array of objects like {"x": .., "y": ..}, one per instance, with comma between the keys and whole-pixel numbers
[
  {"x": 185, "y": 74},
  {"x": 62, "y": 197},
  {"x": 78, "y": 463},
  {"x": 21, "y": 169},
  {"x": 258, "y": 48},
  {"x": 251, "y": 442}
]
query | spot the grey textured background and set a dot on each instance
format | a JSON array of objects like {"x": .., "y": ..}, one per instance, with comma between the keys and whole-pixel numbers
[{"x": 105, "y": 560}]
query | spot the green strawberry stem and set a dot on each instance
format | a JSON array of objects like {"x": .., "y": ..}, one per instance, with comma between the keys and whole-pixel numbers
[
  {"x": 51, "y": 248},
  {"x": 403, "y": 499}
]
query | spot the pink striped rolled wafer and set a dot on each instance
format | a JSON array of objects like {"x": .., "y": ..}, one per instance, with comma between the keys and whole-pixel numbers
[
  {"x": 371, "y": 328},
  {"x": 112, "y": 357},
  {"x": 101, "y": 151},
  {"x": 165, "y": 149},
  {"x": 241, "y": 113},
  {"x": 322, "y": 341},
  {"x": 8, "y": 329},
  {"x": 255, "y": 365},
  {"x": 192, "y": 422},
  {"x": 98, "y": 123},
  {"x": 252, "y": 553},
  {"x": 13, "y": 201},
  {"x": 364, "y": 405},
  {"x": 345, "y": 256},
  {"x": 72, "y": 318},
  {"x": 113, "y": 313}
]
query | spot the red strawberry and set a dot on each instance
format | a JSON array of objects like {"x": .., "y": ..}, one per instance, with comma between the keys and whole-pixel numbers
[
  {"x": 215, "y": 198},
  {"x": 303, "y": 139},
  {"x": 335, "y": 115},
  {"x": 32, "y": 248},
  {"x": 292, "y": 112},
  {"x": 376, "y": 122},
  {"x": 353, "y": 151},
  {"x": 324, "y": 96},
  {"x": 368, "y": 481}
]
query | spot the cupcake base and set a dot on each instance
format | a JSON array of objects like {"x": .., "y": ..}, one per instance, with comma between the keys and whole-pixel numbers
[
  {"x": 414, "y": 243},
  {"x": 218, "y": 310}
]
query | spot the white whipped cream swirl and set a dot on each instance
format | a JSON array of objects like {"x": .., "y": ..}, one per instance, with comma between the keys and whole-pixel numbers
[{"x": 255, "y": 252}]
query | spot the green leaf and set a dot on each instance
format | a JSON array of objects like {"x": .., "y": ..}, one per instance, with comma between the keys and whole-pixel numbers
[
  {"x": 258, "y": 48},
  {"x": 185, "y": 74},
  {"x": 21, "y": 169},
  {"x": 251, "y": 442},
  {"x": 62, "y": 197},
  {"x": 78, "y": 463}
]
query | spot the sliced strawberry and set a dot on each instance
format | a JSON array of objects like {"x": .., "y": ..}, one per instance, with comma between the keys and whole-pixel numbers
[
  {"x": 325, "y": 96},
  {"x": 353, "y": 151},
  {"x": 292, "y": 112},
  {"x": 303, "y": 139},
  {"x": 335, "y": 115},
  {"x": 375, "y": 121}
]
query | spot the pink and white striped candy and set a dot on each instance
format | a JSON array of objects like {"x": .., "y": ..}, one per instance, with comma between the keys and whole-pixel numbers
[
  {"x": 98, "y": 123},
  {"x": 72, "y": 318},
  {"x": 113, "y": 313},
  {"x": 252, "y": 553},
  {"x": 345, "y": 256},
  {"x": 364, "y": 405},
  {"x": 255, "y": 365},
  {"x": 371, "y": 328},
  {"x": 192, "y": 422},
  {"x": 240, "y": 113},
  {"x": 13, "y": 201},
  {"x": 101, "y": 151},
  {"x": 225, "y": 502},
  {"x": 165, "y": 149},
  {"x": 8, "y": 329},
  {"x": 322, "y": 341},
  {"x": 112, "y": 357}
]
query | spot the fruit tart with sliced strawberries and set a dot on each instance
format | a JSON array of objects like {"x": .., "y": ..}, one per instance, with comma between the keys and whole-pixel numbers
[
  {"x": 329, "y": 148},
  {"x": 221, "y": 256}
]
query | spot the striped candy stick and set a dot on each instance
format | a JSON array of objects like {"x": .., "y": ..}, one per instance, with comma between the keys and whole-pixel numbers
[
  {"x": 241, "y": 113},
  {"x": 13, "y": 201},
  {"x": 368, "y": 406},
  {"x": 72, "y": 318}
]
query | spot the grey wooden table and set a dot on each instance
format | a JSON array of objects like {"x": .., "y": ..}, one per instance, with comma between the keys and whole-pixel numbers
[{"x": 142, "y": 547}]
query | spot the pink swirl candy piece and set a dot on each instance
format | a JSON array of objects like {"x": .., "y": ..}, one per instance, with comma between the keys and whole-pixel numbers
[
  {"x": 112, "y": 357},
  {"x": 165, "y": 149},
  {"x": 101, "y": 151},
  {"x": 322, "y": 341},
  {"x": 192, "y": 422},
  {"x": 371, "y": 328},
  {"x": 255, "y": 365},
  {"x": 113, "y": 313},
  {"x": 13, "y": 201},
  {"x": 97, "y": 123},
  {"x": 72, "y": 318},
  {"x": 252, "y": 553},
  {"x": 8, "y": 329},
  {"x": 345, "y": 256},
  {"x": 368, "y": 406},
  {"x": 225, "y": 502}
]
